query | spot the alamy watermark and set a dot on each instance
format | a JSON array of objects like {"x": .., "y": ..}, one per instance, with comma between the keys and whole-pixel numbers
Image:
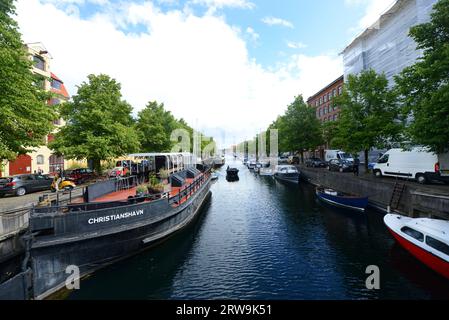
[{"x": 373, "y": 280}]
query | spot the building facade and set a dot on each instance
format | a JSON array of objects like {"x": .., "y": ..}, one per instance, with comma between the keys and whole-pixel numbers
[
  {"x": 386, "y": 46},
  {"x": 41, "y": 159},
  {"x": 325, "y": 109}
]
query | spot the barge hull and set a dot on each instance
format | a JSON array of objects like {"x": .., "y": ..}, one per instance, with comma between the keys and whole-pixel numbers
[{"x": 49, "y": 261}]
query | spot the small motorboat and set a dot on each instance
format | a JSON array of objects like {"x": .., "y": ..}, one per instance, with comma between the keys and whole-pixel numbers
[
  {"x": 426, "y": 239},
  {"x": 266, "y": 172},
  {"x": 232, "y": 174},
  {"x": 342, "y": 199},
  {"x": 287, "y": 173},
  {"x": 215, "y": 176},
  {"x": 252, "y": 164}
]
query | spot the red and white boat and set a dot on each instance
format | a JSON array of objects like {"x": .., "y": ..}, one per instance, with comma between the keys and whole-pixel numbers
[{"x": 426, "y": 239}]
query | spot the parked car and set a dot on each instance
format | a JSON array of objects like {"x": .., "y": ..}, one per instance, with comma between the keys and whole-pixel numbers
[
  {"x": 418, "y": 163},
  {"x": 315, "y": 163},
  {"x": 337, "y": 154},
  {"x": 80, "y": 175},
  {"x": 294, "y": 160},
  {"x": 283, "y": 159},
  {"x": 341, "y": 165},
  {"x": 22, "y": 184}
]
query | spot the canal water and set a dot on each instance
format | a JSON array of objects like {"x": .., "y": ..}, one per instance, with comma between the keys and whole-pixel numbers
[{"x": 262, "y": 239}]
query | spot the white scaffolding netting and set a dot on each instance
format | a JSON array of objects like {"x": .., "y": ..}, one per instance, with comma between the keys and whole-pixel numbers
[{"x": 386, "y": 46}]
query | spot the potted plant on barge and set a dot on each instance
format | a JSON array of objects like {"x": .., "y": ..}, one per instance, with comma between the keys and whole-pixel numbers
[
  {"x": 154, "y": 186},
  {"x": 165, "y": 175},
  {"x": 141, "y": 191}
]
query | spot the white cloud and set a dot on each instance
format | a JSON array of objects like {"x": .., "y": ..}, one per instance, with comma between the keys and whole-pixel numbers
[
  {"x": 253, "y": 34},
  {"x": 219, "y": 4},
  {"x": 373, "y": 10},
  {"x": 198, "y": 66},
  {"x": 273, "y": 21},
  {"x": 296, "y": 45}
]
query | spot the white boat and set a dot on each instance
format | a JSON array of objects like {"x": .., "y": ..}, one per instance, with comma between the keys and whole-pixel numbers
[
  {"x": 266, "y": 172},
  {"x": 287, "y": 173},
  {"x": 426, "y": 239}
]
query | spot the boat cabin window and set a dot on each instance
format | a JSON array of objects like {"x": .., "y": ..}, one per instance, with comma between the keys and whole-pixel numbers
[
  {"x": 437, "y": 245},
  {"x": 413, "y": 233}
]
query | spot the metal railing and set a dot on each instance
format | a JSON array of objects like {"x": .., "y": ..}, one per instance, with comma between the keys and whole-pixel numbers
[
  {"x": 12, "y": 222},
  {"x": 92, "y": 206}
]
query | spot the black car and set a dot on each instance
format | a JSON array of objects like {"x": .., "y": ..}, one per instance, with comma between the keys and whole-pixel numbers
[
  {"x": 315, "y": 163},
  {"x": 341, "y": 165},
  {"x": 22, "y": 184}
]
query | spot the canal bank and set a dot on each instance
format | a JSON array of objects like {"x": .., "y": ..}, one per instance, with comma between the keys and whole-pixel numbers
[
  {"x": 263, "y": 239},
  {"x": 405, "y": 197}
]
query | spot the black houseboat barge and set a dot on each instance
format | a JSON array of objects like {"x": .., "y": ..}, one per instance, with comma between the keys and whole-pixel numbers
[{"x": 110, "y": 223}]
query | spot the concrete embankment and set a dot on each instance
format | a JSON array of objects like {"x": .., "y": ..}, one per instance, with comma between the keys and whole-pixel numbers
[{"x": 416, "y": 200}]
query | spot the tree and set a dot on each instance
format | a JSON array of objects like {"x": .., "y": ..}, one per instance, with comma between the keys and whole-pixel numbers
[
  {"x": 25, "y": 117},
  {"x": 99, "y": 123},
  {"x": 154, "y": 126},
  {"x": 424, "y": 86},
  {"x": 299, "y": 129},
  {"x": 369, "y": 114}
]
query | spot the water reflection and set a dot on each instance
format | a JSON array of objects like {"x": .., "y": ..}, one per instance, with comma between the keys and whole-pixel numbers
[{"x": 263, "y": 239}]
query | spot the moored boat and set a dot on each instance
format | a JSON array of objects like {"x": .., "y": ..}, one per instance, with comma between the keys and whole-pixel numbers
[
  {"x": 287, "y": 173},
  {"x": 232, "y": 174},
  {"x": 111, "y": 222},
  {"x": 426, "y": 239},
  {"x": 342, "y": 199}
]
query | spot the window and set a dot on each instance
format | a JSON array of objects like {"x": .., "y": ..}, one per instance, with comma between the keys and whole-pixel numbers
[
  {"x": 340, "y": 90},
  {"x": 54, "y": 101},
  {"x": 321, "y": 101},
  {"x": 56, "y": 84},
  {"x": 335, "y": 117},
  {"x": 329, "y": 96},
  {"x": 324, "y": 110},
  {"x": 384, "y": 159},
  {"x": 40, "y": 159},
  {"x": 334, "y": 92},
  {"x": 325, "y": 98},
  {"x": 39, "y": 62},
  {"x": 413, "y": 233},
  {"x": 437, "y": 245}
]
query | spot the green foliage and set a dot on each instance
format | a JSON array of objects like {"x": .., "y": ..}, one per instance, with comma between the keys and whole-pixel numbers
[
  {"x": 25, "y": 117},
  {"x": 99, "y": 123},
  {"x": 142, "y": 189},
  {"x": 299, "y": 129},
  {"x": 154, "y": 126},
  {"x": 164, "y": 174},
  {"x": 424, "y": 87},
  {"x": 369, "y": 113}
]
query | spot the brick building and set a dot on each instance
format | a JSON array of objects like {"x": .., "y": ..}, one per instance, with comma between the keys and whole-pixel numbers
[
  {"x": 322, "y": 101},
  {"x": 325, "y": 110}
]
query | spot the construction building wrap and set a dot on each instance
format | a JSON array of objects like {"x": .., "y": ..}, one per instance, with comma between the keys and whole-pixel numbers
[{"x": 386, "y": 46}]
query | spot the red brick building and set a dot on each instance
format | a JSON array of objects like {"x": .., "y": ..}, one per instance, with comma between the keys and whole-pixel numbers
[
  {"x": 321, "y": 101},
  {"x": 325, "y": 110}
]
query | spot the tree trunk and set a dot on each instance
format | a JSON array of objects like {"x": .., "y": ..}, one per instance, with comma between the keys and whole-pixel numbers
[
  {"x": 97, "y": 166},
  {"x": 302, "y": 156},
  {"x": 366, "y": 160}
]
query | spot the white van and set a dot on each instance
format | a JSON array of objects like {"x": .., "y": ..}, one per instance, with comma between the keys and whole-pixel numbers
[
  {"x": 337, "y": 154},
  {"x": 418, "y": 163}
]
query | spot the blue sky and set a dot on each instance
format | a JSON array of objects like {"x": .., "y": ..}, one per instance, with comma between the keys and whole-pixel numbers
[
  {"x": 228, "y": 67},
  {"x": 323, "y": 26}
]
